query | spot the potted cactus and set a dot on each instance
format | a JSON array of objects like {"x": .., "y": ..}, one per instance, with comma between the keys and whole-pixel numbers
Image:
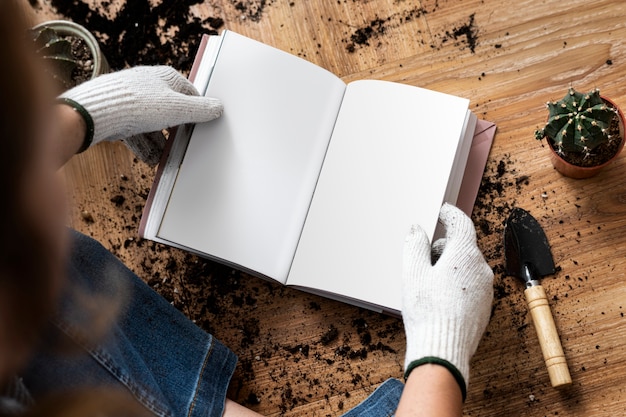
[
  {"x": 585, "y": 132},
  {"x": 74, "y": 56},
  {"x": 71, "y": 51}
]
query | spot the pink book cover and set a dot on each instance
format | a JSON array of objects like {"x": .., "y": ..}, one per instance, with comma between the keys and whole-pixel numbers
[{"x": 168, "y": 145}]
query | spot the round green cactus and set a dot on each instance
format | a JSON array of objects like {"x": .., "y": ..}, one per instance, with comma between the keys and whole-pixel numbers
[{"x": 578, "y": 122}]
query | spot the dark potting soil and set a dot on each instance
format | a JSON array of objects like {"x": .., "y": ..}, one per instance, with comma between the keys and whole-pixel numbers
[
  {"x": 136, "y": 33},
  {"x": 141, "y": 33},
  {"x": 65, "y": 76},
  {"x": 84, "y": 61}
]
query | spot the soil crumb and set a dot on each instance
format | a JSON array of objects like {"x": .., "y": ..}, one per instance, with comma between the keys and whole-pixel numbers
[
  {"x": 252, "y": 10},
  {"x": 467, "y": 31},
  {"x": 464, "y": 35},
  {"x": 375, "y": 29}
]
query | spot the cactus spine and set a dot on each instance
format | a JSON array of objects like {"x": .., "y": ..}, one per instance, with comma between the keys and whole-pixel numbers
[{"x": 578, "y": 122}]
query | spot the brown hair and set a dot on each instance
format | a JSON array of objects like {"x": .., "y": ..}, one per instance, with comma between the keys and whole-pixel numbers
[{"x": 27, "y": 268}]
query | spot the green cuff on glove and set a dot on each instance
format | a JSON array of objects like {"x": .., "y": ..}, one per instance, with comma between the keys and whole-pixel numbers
[
  {"x": 438, "y": 361},
  {"x": 86, "y": 117}
]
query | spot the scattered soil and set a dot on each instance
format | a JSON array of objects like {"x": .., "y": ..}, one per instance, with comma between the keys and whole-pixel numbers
[
  {"x": 375, "y": 29},
  {"x": 142, "y": 34},
  {"x": 370, "y": 34},
  {"x": 500, "y": 185},
  {"x": 463, "y": 35},
  {"x": 467, "y": 31},
  {"x": 251, "y": 9},
  {"x": 343, "y": 349},
  {"x": 363, "y": 35},
  {"x": 169, "y": 32}
]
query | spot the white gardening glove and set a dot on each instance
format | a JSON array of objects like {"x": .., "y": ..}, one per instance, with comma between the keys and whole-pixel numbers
[
  {"x": 446, "y": 306},
  {"x": 143, "y": 99}
]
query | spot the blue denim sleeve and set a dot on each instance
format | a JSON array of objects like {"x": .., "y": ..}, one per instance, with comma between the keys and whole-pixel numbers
[
  {"x": 383, "y": 402},
  {"x": 149, "y": 348}
]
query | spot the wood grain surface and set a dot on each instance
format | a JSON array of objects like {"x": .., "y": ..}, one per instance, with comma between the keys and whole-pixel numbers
[{"x": 305, "y": 355}]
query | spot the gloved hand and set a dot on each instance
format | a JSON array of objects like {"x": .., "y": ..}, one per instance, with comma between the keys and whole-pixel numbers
[
  {"x": 446, "y": 305},
  {"x": 138, "y": 100}
]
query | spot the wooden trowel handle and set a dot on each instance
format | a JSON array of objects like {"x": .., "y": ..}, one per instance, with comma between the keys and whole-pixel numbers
[{"x": 548, "y": 336}]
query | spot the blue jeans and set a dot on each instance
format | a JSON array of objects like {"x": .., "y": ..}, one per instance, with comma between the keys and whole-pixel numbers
[
  {"x": 166, "y": 362},
  {"x": 381, "y": 403},
  {"x": 150, "y": 348}
]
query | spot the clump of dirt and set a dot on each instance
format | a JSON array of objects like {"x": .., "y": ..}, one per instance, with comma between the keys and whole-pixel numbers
[
  {"x": 252, "y": 10},
  {"x": 468, "y": 31},
  {"x": 362, "y": 35},
  {"x": 463, "y": 35},
  {"x": 376, "y": 28},
  {"x": 330, "y": 336}
]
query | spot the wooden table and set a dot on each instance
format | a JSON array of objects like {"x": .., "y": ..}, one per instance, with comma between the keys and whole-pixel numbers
[{"x": 301, "y": 354}]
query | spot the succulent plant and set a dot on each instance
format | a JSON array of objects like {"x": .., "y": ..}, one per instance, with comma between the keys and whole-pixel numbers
[
  {"x": 57, "y": 51},
  {"x": 578, "y": 122}
]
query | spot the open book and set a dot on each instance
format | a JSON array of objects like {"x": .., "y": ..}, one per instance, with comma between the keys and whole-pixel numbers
[{"x": 308, "y": 181}]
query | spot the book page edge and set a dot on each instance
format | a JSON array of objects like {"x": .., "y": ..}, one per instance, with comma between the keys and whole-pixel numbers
[{"x": 173, "y": 152}]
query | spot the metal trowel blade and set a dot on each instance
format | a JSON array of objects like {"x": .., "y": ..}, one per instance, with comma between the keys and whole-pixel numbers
[{"x": 526, "y": 246}]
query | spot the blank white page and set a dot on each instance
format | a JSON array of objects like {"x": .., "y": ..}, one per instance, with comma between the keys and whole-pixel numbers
[
  {"x": 387, "y": 167},
  {"x": 247, "y": 178}
]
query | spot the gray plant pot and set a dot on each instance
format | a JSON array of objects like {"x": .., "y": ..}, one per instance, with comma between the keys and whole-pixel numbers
[{"x": 66, "y": 27}]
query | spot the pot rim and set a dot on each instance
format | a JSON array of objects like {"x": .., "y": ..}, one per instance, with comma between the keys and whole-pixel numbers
[
  {"x": 100, "y": 65},
  {"x": 586, "y": 172}
]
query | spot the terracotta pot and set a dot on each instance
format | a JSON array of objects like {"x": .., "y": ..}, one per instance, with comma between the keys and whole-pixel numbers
[
  {"x": 578, "y": 172},
  {"x": 66, "y": 27}
]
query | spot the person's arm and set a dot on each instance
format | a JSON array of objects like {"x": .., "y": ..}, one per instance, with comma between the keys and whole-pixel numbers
[
  {"x": 447, "y": 296},
  {"x": 430, "y": 390},
  {"x": 71, "y": 130},
  {"x": 128, "y": 103}
]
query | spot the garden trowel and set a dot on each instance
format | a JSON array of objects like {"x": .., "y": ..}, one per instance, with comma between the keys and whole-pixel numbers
[{"x": 528, "y": 257}]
